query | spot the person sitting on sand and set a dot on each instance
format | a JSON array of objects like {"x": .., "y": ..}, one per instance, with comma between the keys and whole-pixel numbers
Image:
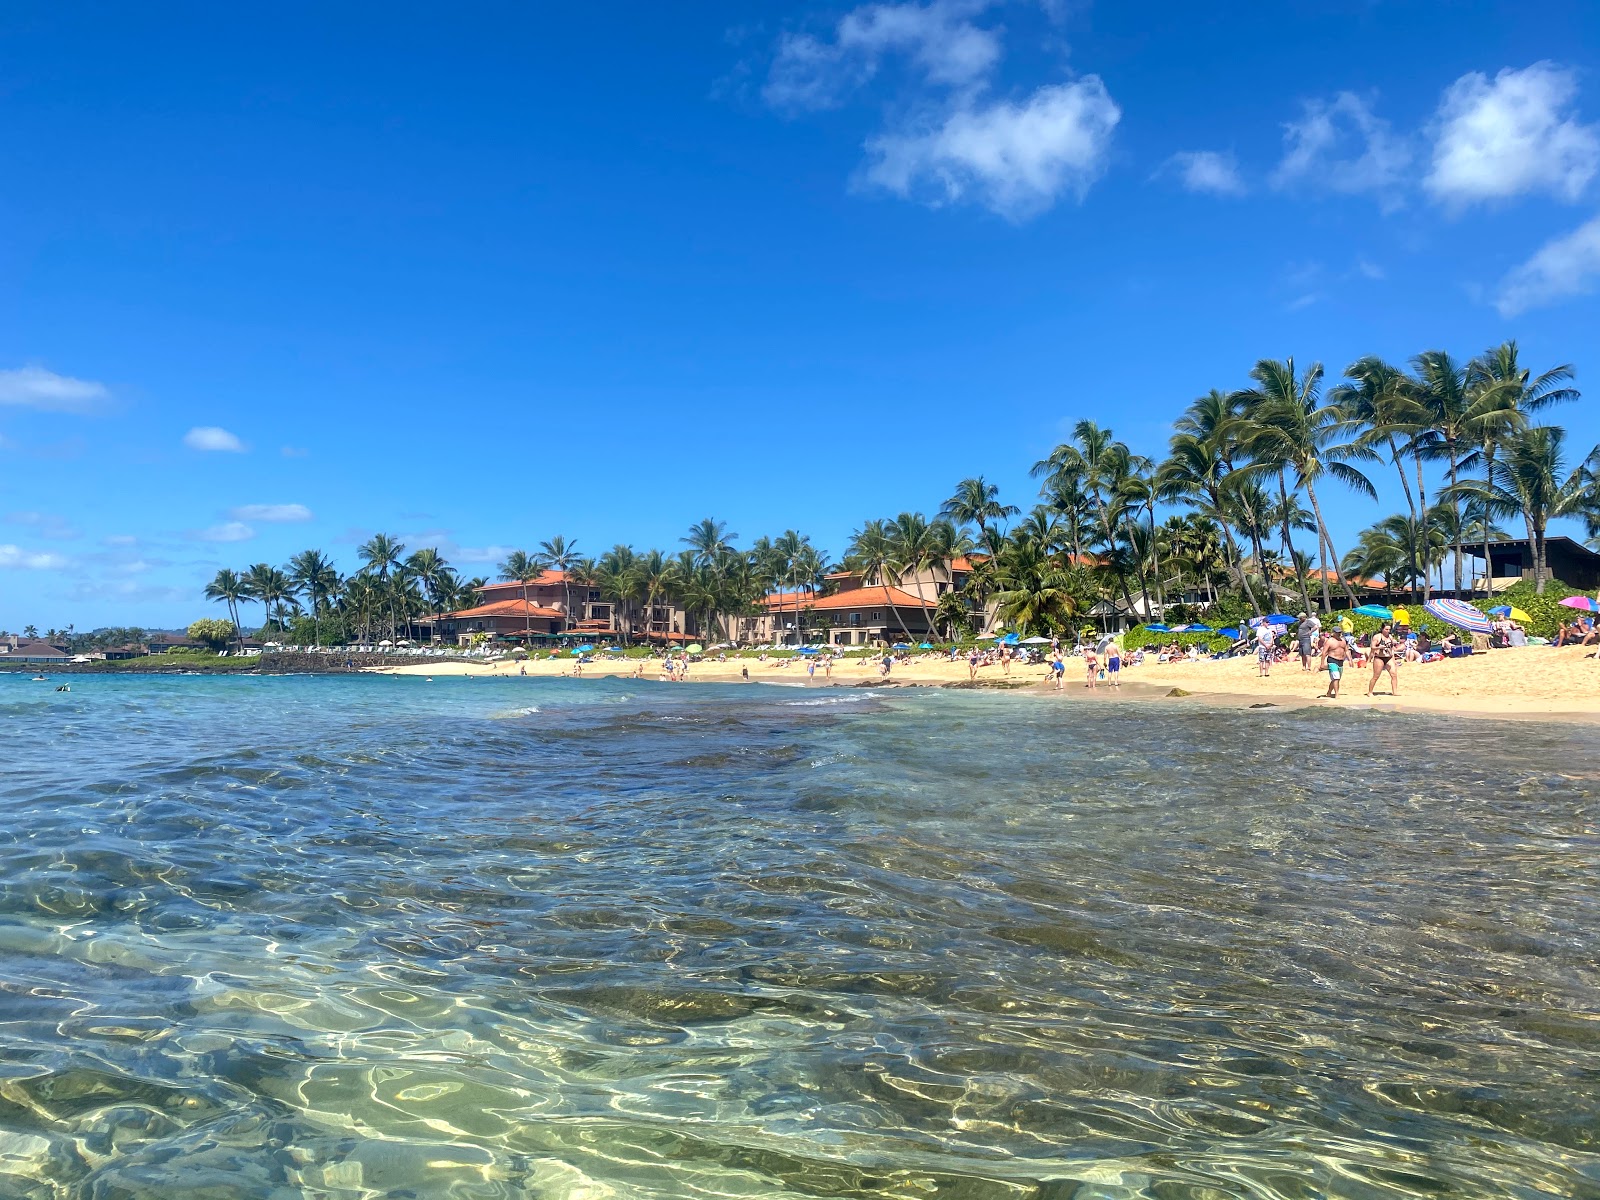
[
  {"x": 1385, "y": 659},
  {"x": 1335, "y": 653}
]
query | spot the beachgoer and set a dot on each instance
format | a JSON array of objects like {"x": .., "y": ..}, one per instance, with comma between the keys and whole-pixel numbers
[
  {"x": 1309, "y": 633},
  {"x": 1335, "y": 653},
  {"x": 1057, "y": 668},
  {"x": 1265, "y": 637},
  {"x": 1091, "y": 663},
  {"x": 811, "y": 667},
  {"x": 1114, "y": 663},
  {"x": 972, "y": 664},
  {"x": 1385, "y": 657},
  {"x": 886, "y": 666}
]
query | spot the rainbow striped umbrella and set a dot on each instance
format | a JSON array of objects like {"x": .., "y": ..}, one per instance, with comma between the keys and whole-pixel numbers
[{"x": 1460, "y": 614}]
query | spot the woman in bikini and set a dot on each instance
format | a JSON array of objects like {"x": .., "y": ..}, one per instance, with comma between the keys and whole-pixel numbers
[{"x": 1385, "y": 657}]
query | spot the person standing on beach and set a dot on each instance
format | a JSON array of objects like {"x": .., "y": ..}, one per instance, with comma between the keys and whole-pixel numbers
[
  {"x": 1385, "y": 657},
  {"x": 1114, "y": 663},
  {"x": 1057, "y": 668},
  {"x": 887, "y": 665},
  {"x": 1310, "y": 635},
  {"x": 1335, "y": 652},
  {"x": 1091, "y": 663},
  {"x": 1266, "y": 636}
]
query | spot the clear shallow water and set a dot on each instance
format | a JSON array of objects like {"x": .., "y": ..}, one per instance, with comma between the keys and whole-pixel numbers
[{"x": 380, "y": 937}]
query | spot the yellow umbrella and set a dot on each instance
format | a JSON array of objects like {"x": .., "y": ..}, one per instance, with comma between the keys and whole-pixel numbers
[
  {"x": 1518, "y": 615},
  {"x": 1402, "y": 617}
]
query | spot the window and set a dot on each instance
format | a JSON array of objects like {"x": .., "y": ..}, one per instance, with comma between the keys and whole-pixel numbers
[
  {"x": 594, "y": 594},
  {"x": 855, "y": 619}
]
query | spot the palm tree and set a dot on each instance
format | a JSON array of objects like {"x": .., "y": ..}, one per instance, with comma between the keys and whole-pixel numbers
[
  {"x": 315, "y": 577},
  {"x": 1199, "y": 465},
  {"x": 228, "y": 588},
  {"x": 1530, "y": 480},
  {"x": 977, "y": 502},
  {"x": 1401, "y": 548},
  {"x": 1381, "y": 401},
  {"x": 617, "y": 576},
  {"x": 916, "y": 546},
  {"x": 872, "y": 552},
  {"x": 1293, "y": 428},
  {"x": 558, "y": 554},
  {"x": 520, "y": 568},
  {"x": 1447, "y": 425},
  {"x": 380, "y": 555},
  {"x": 1505, "y": 394},
  {"x": 1100, "y": 462}
]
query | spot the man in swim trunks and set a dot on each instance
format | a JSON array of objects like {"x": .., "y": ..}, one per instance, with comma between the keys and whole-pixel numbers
[
  {"x": 1335, "y": 653},
  {"x": 1057, "y": 667},
  {"x": 1265, "y": 637},
  {"x": 1114, "y": 663}
]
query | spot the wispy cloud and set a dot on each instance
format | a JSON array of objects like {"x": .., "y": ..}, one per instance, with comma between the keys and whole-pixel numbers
[
  {"x": 212, "y": 438},
  {"x": 1563, "y": 267},
  {"x": 1513, "y": 135},
  {"x": 950, "y": 142},
  {"x": 1341, "y": 145},
  {"x": 12, "y": 556},
  {"x": 50, "y": 525},
  {"x": 120, "y": 539},
  {"x": 1206, "y": 171},
  {"x": 270, "y": 512},
  {"x": 1368, "y": 269},
  {"x": 35, "y": 387},
  {"x": 295, "y": 452},
  {"x": 228, "y": 531}
]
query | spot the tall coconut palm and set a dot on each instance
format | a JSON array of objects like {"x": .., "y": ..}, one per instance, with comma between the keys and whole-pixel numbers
[
  {"x": 1530, "y": 480},
  {"x": 1100, "y": 462},
  {"x": 315, "y": 577},
  {"x": 617, "y": 576},
  {"x": 380, "y": 555},
  {"x": 228, "y": 588},
  {"x": 1294, "y": 428},
  {"x": 1447, "y": 424},
  {"x": 872, "y": 552},
  {"x": 1381, "y": 403},
  {"x": 1505, "y": 394},
  {"x": 521, "y": 568},
  {"x": 916, "y": 547},
  {"x": 558, "y": 554},
  {"x": 1198, "y": 467},
  {"x": 977, "y": 502}
]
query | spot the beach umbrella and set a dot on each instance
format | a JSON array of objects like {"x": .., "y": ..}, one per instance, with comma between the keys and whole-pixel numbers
[
  {"x": 1228, "y": 633},
  {"x": 1507, "y": 610},
  {"x": 697, "y": 648},
  {"x": 987, "y": 637},
  {"x": 586, "y": 648},
  {"x": 1010, "y": 639},
  {"x": 924, "y": 645},
  {"x": 613, "y": 649},
  {"x": 1158, "y": 629},
  {"x": 1036, "y": 641},
  {"x": 1271, "y": 619},
  {"x": 809, "y": 650},
  {"x": 1459, "y": 614},
  {"x": 1581, "y": 602},
  {"x": 1375, "y": 610},
  {"x": 1200, "y": 629},
  {"x": 902, "y": 646}
]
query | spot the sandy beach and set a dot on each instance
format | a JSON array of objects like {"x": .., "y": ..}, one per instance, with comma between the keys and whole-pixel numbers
[{"x": 1529, "y": 682}]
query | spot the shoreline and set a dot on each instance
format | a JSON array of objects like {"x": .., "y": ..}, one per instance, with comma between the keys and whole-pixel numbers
[{"x": 1565, "y": 686}]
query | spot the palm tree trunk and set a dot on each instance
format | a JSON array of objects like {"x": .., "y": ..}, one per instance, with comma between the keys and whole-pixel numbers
[
  {"x": 1455, "y": 504},
  {"x": 1422, "y": 525},
  {"x": 1488, "y": 482},
  {"x": 1288, "y": 540},
  {"x": 1327, "y": 539}
]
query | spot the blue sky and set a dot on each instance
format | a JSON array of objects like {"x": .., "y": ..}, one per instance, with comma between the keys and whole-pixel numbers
[{"x": 482, "y": 276}]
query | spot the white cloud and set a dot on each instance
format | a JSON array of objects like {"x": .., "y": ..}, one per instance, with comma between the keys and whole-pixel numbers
[
  {"x": 228, "y": 531},
  {"x": 211, "y": 437},
  {"x": 480, "y": 554},
  {"x": 271, "y": 512},
  {"x": 1015, "y": 159},
  {"x": 939, "y": 38},
  {"x": 1496, "y": 140},
  {"x": 1562, "y": 267},
  {"x": 35, "y": 387},
  {"x": 1206, "y": 171},
  {"x": 1368, "y": 269},
  {"x": 1341, "y": 146},
  {"x": 16, "y": 556},
  {"x": 50, "y": 525}
]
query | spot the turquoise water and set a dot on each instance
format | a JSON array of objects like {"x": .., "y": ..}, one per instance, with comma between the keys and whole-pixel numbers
[{"x": 361, "y": 937}]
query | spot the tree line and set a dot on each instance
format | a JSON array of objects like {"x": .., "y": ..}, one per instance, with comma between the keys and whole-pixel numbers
[{"x": 1234, "y": 512}]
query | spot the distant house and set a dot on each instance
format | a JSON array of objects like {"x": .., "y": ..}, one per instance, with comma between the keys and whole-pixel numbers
[
  {"x": 117, "y": 653},
  {"x": 14, "y": 649},
  {"x": 161, "y": 643},
  {"x": 1511, "y": 561}
]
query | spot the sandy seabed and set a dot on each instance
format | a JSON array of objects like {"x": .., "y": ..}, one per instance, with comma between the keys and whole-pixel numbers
[{"x": 1531, "y": 681}]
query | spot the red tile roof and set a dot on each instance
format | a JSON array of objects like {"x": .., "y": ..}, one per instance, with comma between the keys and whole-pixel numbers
[
  {"x": 505, "y": 608},
  {"x": 862, "y": 597}
]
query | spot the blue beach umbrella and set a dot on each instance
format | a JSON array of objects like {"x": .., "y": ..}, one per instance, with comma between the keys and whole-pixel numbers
[
  {"x": 1158, "y": 629},
  {"x": 1228, "y": 633},
  {"x": 1271, "y": 619},
  {"x": 1200, "y": 629},
  {"x": 809, "y": 650},
  {"x": 584, "y": 649},
  {"x": 1375, "y": 610},
  {"x": 924, "y": 645},
  {"x": 902, "y": 645}
]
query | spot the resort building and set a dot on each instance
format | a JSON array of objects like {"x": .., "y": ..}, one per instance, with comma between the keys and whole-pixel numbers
[
  {"x": 16, "y": 650},
  {"x": 537, "y": 611},
  {"x": 1511, "y": 561},
  {"x": 858, "y": 610}
]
